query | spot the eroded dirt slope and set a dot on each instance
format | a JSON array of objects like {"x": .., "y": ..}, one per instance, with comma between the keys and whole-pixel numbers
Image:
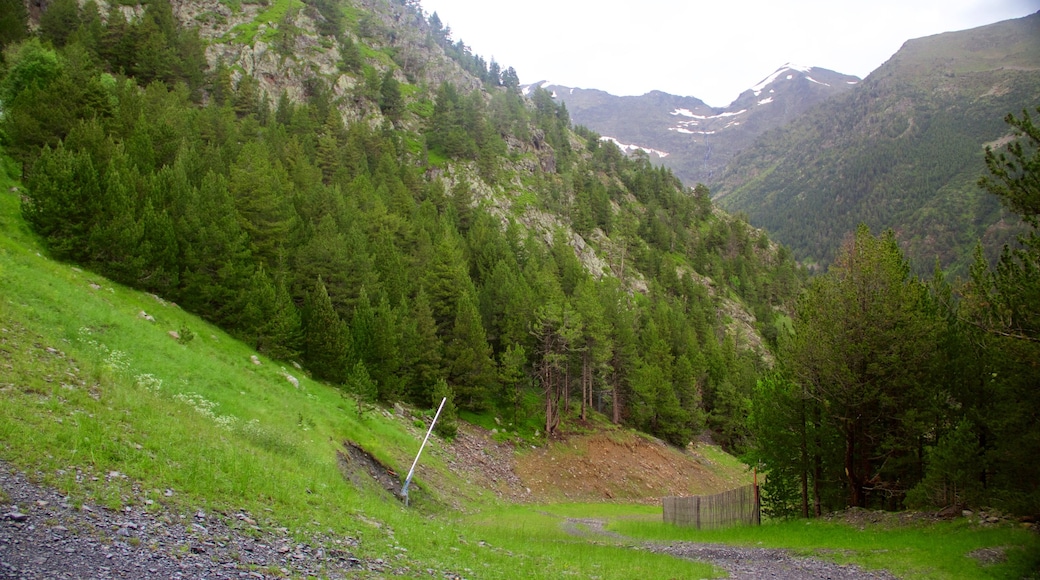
[{"x": 602, "y": 466}]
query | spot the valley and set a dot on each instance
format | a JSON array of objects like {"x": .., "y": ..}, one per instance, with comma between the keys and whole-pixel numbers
[{"x": 246, "y": 249}]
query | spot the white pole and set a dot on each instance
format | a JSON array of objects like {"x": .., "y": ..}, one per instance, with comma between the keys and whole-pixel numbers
[{"x": 408, "y": 480}]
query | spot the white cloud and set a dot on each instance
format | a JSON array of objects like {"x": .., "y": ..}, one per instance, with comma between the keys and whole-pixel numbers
[{"x": 694, "y": 48}]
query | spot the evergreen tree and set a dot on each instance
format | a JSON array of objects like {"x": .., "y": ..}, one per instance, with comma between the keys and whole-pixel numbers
[
  {"x": 470, "y": 367},
  {"x": 512, "y": 378},
  {"x": 862, "y": 346},
  {"x": 262, "y": 194},
  {"x": 447, "y": 424},
  {"x": 269, "y": 318},
  {"x": 215, "y": 258},
  {"x": 1002, "y": 307},
  {"x": 326, "y": 350},
  {"x": 64, "y": 189},
  {"x": 390, "y": 102},
  {"x": 59, "y": 21},
  {"x": 362, "y": 386},
  {"x": 444, "y": 281},
  {"x": 13, "y": 21},
  {"x": 422, "y": 350}
]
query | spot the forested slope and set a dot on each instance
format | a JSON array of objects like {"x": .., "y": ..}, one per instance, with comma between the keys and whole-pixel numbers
[
  {"x": 901, "y": 151},
  {"x": 386, "y": 208}
]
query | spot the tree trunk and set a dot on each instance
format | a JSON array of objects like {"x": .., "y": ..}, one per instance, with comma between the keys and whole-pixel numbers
[
  {"x": 586, "y": 384},
  {"x": 616, "y": 387},
  {"x": 817, "y": 462},
  {"x": 856, "y": 497},
  {"x": 804, "y": 461}
]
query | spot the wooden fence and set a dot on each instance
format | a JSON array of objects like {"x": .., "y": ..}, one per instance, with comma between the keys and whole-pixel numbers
[{"x": 735, "y": 506}]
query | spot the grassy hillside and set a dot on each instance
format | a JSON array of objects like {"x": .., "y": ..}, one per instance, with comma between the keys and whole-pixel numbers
[{"x": 91, "y": 387}]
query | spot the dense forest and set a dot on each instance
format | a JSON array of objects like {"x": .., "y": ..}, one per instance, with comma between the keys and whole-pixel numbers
[
  {"x": 373, "y": 254},
  {"x": 411, "y": 241},
  {"x": 893, "y": 390}
]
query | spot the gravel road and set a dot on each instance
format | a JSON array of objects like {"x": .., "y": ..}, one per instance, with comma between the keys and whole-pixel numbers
[
  {"x": 741, "y": 563},
  {"x": 752, "y": 563},
  {"x": 44, "y": 535}
]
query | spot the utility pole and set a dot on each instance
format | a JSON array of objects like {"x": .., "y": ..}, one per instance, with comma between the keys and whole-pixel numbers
[{"x": 408, "y": 480}]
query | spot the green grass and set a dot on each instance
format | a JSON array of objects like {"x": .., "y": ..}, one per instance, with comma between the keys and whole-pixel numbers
[
  {"x": 88, "y": 387},
  {"x": 246, "y": 33},
  {"x": 543, "y": 531},
  {"x": 933, "y": 550}
]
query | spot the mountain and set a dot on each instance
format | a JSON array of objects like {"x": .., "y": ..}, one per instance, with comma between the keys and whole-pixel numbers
[
  {"x": 346, "y": 187},
  {"x": 901, "y": 150},
  {"x": 686, "y": 135}
]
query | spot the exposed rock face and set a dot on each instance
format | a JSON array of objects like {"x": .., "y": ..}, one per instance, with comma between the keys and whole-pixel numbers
[{"x": 418, "y": 59}]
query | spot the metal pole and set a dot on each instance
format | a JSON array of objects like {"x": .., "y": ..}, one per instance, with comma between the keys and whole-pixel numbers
[{"x": 408, "y": 480}]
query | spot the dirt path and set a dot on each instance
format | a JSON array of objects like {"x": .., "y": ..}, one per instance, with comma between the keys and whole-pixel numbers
[
  {"x": 739, "y": 562},
  {"x": 46, "y": 535}
]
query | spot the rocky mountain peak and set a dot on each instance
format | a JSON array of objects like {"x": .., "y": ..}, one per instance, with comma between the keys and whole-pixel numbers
[{"x": 693, "y": 139}]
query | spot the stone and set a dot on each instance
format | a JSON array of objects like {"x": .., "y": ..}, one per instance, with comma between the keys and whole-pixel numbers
[
  {"x": 255, "y": 360},
  {"x": 174, "y": 335},
  {"x": 16, "y": 516}
]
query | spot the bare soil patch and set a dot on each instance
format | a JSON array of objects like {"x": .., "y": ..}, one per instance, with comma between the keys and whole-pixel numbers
[{"x": 619, "y": 466}]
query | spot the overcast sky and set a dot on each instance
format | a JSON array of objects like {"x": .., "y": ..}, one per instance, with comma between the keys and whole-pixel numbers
[{"x": 709, "y": 50}]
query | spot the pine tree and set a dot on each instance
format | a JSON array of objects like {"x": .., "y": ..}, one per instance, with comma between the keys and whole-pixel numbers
[
  {"x": 387, "y": 349},
  {"x": 862, "y": 346},
  {"x": 512, "y": 378},
  {"x": 13, "y": 20},
  {"x": 447, "y": 424},
  {"x": 262, "y": 194},
  {"x": 59, "y": 21},
  {"x": 64, "y": 189},
  {"x": 422, "y": 350},
  {"x": 326, "y": 350},
  {"x": 362, "y": 386},
  {"x": 444, "y": 281},
  {"x": 468, "y": 355}
]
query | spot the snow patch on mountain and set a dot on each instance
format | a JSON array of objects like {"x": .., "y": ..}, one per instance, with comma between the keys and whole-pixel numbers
[
  {"x": 683, "y": 113},
  {"x": 689, "y": 113},
  {"x": 686, "y": 131},
  {"x": 528, "y": 89},
  {"x": 766, "y": 100},
  {"x": 626, "y": 149},
  {"x": 757, "y": 89}
]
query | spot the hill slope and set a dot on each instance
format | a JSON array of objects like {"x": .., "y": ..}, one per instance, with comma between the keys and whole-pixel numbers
[
  {"x": 902, "y": 150},
  {"x": 344, "y": 185},
  {"x": 98, "y": 399}
]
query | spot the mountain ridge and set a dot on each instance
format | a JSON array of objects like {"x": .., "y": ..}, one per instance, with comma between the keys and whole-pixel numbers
[
  {"x": 690, "y": 137},
  {"x": 903, "y": 150}
]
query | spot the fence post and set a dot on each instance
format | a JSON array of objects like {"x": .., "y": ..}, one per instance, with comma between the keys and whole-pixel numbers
[{"x": 758, "y": 502}]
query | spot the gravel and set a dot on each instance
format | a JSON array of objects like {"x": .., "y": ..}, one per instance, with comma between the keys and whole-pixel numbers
[
  {"x": 740, "y": 562},
  {"x": 44, "y": 534},
  {"x": 749, "y": 563}
]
